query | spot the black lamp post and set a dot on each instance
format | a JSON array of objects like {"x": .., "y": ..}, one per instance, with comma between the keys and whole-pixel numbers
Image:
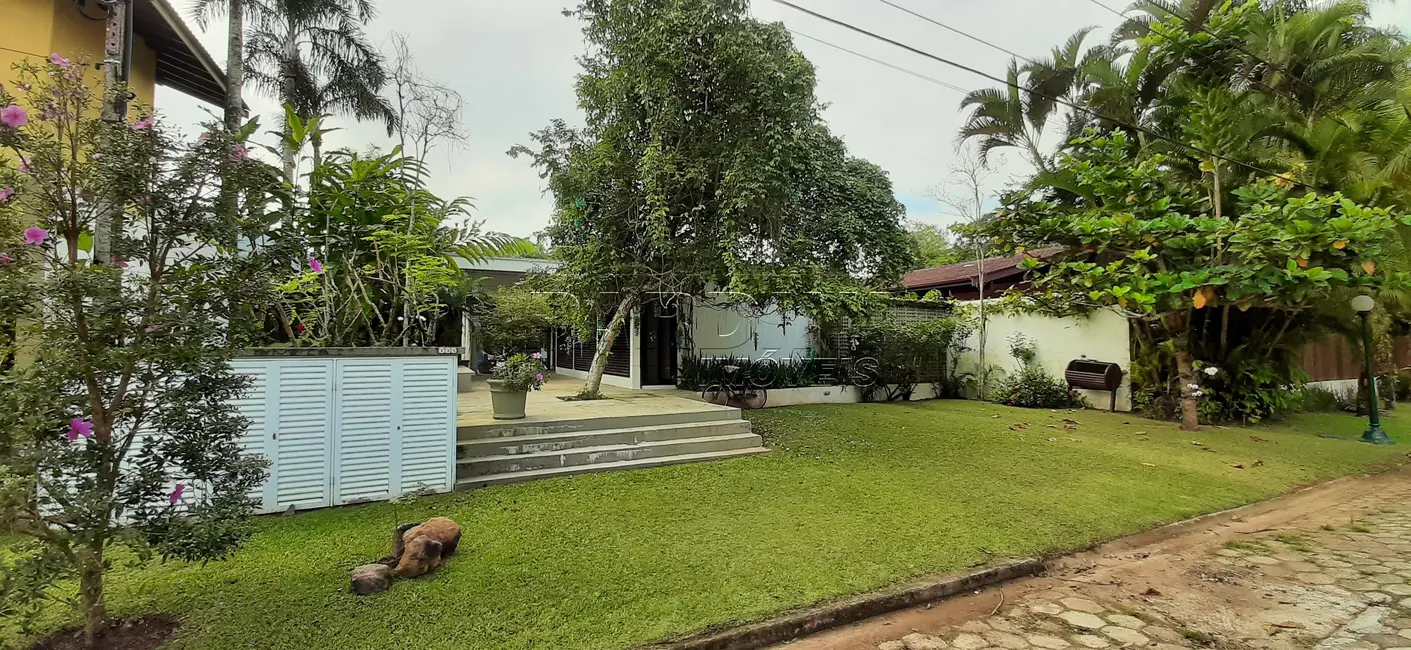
[{"x": 1363, "y": 305}]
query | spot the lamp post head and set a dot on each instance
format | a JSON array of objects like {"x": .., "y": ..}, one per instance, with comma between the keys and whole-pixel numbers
[{"x": 1363, "y": 304}]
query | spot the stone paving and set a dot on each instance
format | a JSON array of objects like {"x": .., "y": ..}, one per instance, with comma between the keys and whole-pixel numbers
[{"x": 1338, "y": 586}]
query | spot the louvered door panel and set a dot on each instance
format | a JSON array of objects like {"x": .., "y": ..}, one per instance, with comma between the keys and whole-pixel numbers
[
  {"x": 255, "y": 407},
  {"x": 365, "y": 429},
  {"x": 428, "y": 424},
  {"x": 304, "y": 438}
]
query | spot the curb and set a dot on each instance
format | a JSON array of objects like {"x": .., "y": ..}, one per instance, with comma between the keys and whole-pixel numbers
[{"x": 852, "y": 610}]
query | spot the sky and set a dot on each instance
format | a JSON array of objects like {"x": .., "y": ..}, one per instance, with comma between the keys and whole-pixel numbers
[{"x": 514, "y": 62}]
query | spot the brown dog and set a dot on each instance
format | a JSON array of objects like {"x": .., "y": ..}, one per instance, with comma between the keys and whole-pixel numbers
[{"x": 418, "y": 548}]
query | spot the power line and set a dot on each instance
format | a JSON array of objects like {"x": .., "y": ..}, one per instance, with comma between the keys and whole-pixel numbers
[
  {"x": 878, "y": 61},
  {"x": 955, "y": 31},
  {"x": 1057, "y": 100}
]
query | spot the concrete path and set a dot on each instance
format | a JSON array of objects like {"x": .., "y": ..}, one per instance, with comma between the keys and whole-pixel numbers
[{"x": 1327, "y": 568}]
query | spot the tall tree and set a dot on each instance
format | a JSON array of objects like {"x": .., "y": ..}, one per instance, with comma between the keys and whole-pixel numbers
[
  {"x": 203, "y": 11},
  {"x": 703, "y": 164},
  {"x": 314, "y": 56}
]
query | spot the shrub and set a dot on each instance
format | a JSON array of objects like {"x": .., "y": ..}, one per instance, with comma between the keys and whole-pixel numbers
[
  {"x": 517, "y": 319},
  {"x": 697, "y": 373},
  {"x": 1313, "y": 399},
  {"x": 119, "y": 430},
  {"x": 1032, "y": 387},
  {"x": 521, "y": 372}
]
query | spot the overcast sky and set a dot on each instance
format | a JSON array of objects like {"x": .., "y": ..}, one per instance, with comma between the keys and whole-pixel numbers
[{"x": 514, "y": 62}]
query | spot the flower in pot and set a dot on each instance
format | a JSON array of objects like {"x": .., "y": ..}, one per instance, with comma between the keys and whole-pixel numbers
[{"x": 511, "y": 382}]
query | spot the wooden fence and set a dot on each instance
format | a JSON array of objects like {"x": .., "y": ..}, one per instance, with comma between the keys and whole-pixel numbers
[{"x": 1334, "y": 358}]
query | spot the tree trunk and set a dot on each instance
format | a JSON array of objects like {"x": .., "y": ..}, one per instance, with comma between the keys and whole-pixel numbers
[
  {"x": 235, "y": 66},
  {"x": 600, "y": 360},
  {"x": 95, "y": 611},
  {"x": 286, "y": 92},
  {"x": 1185, "y": 370}
]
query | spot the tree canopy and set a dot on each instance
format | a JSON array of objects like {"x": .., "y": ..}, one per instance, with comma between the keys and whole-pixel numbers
[{"x": 704, "y": 165}]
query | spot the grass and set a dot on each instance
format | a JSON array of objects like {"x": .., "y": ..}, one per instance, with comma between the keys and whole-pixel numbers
[{"x": 852, "y": 498}]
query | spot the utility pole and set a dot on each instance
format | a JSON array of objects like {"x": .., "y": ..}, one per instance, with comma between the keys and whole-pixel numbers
[{"x": 117, "y": 57}]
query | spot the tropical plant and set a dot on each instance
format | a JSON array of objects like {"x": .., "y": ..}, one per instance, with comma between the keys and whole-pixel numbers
[
  {"x": 670, "y": 188},
  {"x": 521, "y": 372},
  {"x": 118, "y": 428},
  {"x": 1032, "y": 387},
  {"x": 313, "y": 56},
  {"x": 1139, "y": 240}
]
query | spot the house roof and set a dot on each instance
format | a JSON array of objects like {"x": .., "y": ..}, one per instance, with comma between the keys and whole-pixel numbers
[
  {"x": 182, "y": 63},
  {"x": 966, "y": 274}
]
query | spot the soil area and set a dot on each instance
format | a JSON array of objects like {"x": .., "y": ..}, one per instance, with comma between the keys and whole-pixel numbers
[
  {"x": 138, "y": 634},
  {"x": 1328, "y": 567}
]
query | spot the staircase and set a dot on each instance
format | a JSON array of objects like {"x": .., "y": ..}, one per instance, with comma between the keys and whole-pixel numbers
[{"x": 505, "y": 452}]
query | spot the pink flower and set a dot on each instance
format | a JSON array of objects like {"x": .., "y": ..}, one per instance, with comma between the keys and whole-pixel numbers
[
  {"x": 176, "y": 494},
  {"x": 241, "y": 154},
  {"x": 13, "y": 116},
  {"x": 59, "y": 61},
  {"x": 35, "y": 236},
  {"x": 537, "y": 355},
  {"x": 152, "y": 328},
  {"x": 80, "y": 427},
  {"x": 315, "y": 265},
  {"x": 120, "y": 262},
  {"x": 4, "y": 259},
  {"x": 24, "y": 165},
  {"x": 143, "y": 124},
  {"x": 5, "y": 194},
  {"x": 538, "y": 378}
]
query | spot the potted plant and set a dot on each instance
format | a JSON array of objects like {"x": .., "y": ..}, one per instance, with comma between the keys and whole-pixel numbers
[{"x": 511, "y": 382}]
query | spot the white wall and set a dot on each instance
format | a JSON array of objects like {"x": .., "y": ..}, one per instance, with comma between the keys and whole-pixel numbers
[
  {"x": 721, "y": 332},
  {"x": 1100, "y": 336}
]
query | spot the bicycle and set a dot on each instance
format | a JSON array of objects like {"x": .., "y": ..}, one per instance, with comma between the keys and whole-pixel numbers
[{"x": 741, "y": 394}]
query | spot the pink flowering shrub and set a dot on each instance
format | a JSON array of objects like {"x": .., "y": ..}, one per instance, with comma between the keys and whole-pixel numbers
[
  {"x": 521, "y": 372},
  {"x": 117, "y": 428}
]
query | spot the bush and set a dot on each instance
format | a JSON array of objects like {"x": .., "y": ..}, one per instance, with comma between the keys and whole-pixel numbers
[
  {"x": 697, "y": 373},
  {"x": 1032, "y": 387},
  {"x": 517, "y": 319},
  {"x": 1314, "y": 399},
  {"x": 521, "y": 372}
]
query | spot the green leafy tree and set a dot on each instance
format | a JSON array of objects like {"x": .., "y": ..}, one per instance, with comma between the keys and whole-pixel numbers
[
  {"x": 933, "y": 245},
  {"x": 1141, "y": 240},
  {"x": 703, "y": 164},
  {"x": 116, "y": 419}
]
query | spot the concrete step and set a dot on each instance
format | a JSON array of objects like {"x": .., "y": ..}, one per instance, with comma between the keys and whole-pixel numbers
[
  {"x": 588, "y": 456},
  {"x": 502, "y": 478},
  {"x": 548, "y": 442},
  {"x": 532, "y": 428}
]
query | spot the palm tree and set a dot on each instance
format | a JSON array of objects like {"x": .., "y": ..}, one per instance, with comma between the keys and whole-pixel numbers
[
  {"x": 314, "y": 56},
  {"x": 202, "y": 11},
  {"x": 1006, "y": 117},
  {"x": 350, "y": 91}
]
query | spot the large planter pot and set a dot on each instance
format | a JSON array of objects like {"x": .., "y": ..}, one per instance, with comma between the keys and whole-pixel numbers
[{"x": 507, "y": 404}]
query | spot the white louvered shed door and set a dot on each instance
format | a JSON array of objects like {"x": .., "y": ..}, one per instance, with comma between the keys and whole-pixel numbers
[
  {"x": 365, "y": 429},
  {"x": 303, "y": 437},
  {"x": 255, "y": 407},
  {"x": 428, "y": 421}
]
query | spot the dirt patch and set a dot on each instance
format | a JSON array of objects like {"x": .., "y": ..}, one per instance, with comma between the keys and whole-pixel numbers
[{"x": 147, "y": 633}]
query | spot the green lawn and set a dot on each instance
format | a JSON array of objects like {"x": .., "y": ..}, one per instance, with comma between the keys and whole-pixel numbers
[{"x": 852, "y": 498}]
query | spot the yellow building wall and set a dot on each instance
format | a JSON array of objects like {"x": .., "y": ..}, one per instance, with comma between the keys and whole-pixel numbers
[{"x": 33, "y": 29}]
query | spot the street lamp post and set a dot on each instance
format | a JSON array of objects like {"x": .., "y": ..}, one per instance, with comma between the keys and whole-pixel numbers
[{"x": 1363, "y": 305}]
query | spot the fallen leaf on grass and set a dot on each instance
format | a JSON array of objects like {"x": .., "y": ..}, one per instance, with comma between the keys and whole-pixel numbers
[
  {"x": 1053, "y": 439},
  {"x": 1068, "y": 421},
  {"x": 1237, "y": 465},
  {"x": 1198, "y": 444},
  {"x": 1259, "y": 462},
  {"x": 1257, "y": 439},
  {"x": 1018, "y": 427},
  {"x": 1139, "y": 433}
]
